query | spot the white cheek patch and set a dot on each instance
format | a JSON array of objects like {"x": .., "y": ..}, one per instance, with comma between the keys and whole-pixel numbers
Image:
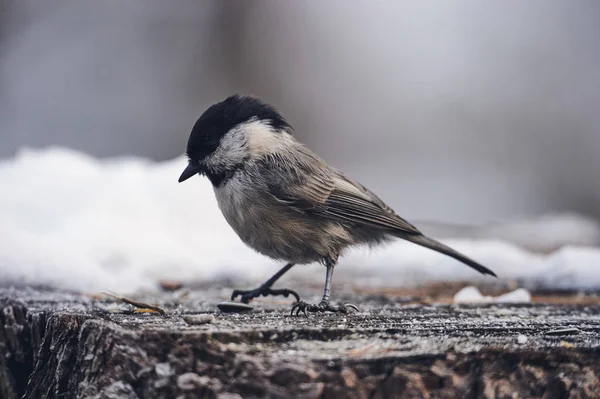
[
  {"x": 263, "y": 139},
  {"x": 232, "y": 150},
  {"x": 251, "y": 139}
]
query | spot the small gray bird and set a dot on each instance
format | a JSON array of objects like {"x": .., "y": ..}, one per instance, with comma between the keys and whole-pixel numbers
[{"x": 284, "y": 201}]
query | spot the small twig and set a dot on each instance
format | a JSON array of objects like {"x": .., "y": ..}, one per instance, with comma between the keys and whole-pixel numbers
[{"x": 137, "y": 304}]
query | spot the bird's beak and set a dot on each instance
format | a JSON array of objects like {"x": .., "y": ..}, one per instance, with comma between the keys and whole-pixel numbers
[{"x": 191, "y": 170}]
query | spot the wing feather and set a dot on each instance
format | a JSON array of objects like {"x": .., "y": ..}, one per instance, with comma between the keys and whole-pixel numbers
[
  {"x": 363, "y": 210},
  {"x": 309, "y": 185}
]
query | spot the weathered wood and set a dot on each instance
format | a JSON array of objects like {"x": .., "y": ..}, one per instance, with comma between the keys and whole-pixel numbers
[
  {"x": 58, "y": 345},
  {"x": 15, "y": 348}
]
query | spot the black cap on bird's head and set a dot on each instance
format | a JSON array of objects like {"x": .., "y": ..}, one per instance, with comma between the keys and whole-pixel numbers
[{"x": 220, "y": 118}]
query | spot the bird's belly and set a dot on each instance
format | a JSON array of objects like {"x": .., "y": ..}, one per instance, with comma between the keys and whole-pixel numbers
[{"x": 279, "y": 232}]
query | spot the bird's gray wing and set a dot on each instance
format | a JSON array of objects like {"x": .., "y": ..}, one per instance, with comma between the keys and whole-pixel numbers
[
  {"x": 355, "y": 203},
  {"x": 309, "y": 185}
]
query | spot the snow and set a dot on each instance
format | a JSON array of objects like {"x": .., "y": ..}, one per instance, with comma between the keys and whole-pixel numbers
[
  {"x": 520, "y": 295},
  {"x": 73, "y": 221},
  {"x": 472, "y": 294}
]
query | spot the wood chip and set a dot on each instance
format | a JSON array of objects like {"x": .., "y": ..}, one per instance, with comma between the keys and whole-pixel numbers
[
  {"x": 167, "y": 285},
  {"x": 198, "y": 319}
]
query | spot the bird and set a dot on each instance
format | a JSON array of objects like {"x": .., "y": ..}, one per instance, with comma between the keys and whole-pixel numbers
[{"x": 286, "y": 202}]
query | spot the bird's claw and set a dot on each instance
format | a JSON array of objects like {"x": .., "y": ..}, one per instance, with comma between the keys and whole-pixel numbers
[
  {"x": 303, "y": 307},
  {"x": 247, "y": 296}
]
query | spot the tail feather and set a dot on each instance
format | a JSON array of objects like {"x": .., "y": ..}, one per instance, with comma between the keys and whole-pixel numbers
[{"x": 441, "y": 248}]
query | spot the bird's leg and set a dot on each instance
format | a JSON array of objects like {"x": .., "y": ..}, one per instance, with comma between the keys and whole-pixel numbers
[
  {"x": 328, "y": 278},
  {"x": 265, "y": 288},
  {"x": 324, "y": 305}
]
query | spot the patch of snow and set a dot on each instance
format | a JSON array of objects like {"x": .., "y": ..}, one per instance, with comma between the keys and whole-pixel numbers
[
  {"x": 73, "y": 221},
  {"x": 471, "y": 294},
  {"x": 520, "y": 295}
]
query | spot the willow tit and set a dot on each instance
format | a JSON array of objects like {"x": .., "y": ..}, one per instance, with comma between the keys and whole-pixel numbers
[{"x": 284, "y": 201}]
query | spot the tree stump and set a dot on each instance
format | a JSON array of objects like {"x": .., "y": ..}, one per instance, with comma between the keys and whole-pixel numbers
[{"x": 66, "y": 345}]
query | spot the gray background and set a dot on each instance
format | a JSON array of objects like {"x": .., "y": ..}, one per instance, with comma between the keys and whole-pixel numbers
[{"x": 457, "y": 111}]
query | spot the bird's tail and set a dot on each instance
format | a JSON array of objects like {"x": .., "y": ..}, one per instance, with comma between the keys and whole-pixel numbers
[{"x": 441, "y": 248}]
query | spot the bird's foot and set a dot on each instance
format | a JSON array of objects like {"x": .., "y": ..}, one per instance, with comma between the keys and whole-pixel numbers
[
  {"x": 247, "y": 296},
  {"x": 323, "y": 306}
]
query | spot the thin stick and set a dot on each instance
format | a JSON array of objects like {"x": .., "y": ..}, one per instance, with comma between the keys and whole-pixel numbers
[{"x": 137, "y": 304}]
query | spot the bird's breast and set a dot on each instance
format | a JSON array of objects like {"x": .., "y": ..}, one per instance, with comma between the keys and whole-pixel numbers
[{"x": 274, "y": 229}]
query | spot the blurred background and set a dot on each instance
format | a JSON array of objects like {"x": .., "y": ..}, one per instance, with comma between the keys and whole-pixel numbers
[{"x": 460, "y": 111}]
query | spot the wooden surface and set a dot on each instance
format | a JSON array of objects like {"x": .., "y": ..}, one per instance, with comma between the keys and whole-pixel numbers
[{"x": 68, "y": 345}]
